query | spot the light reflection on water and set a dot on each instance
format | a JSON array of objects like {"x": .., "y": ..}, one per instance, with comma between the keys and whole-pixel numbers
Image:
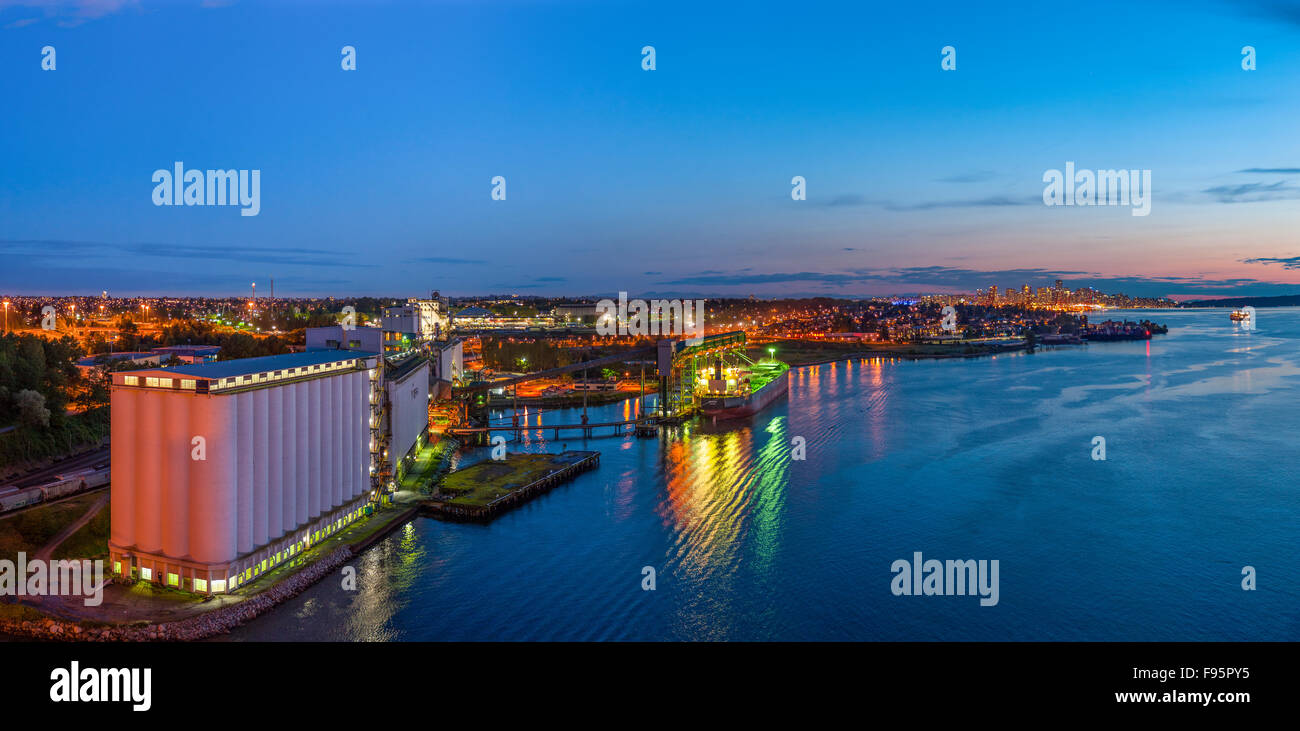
[{"x": 984, "y": 458}]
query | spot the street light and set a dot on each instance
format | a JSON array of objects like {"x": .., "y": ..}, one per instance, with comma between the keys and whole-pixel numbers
[{"x": 771, "y": 353}]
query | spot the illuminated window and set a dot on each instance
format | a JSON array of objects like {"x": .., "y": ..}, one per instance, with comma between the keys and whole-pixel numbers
[
  {"x": 151, "y": 381},
  {"x": 218, "y": 586},
  {"x": 131, "y": 380},
  {"x": 146, "y": 574},
  {"x": 173, "y": 580},
  {"x": 165, "y": 382},
  {"x": 201, "y": 584},
  {"x": 117, "y": 568},
  {"x": 187, "y": 384},
  {"x": 263, "y": 566}
]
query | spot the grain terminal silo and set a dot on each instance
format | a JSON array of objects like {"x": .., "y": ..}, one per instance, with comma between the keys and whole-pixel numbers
[{"x": 222, "y": 470}]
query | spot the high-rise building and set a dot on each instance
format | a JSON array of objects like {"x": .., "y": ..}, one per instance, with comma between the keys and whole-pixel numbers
[{"x": 221, "y": 471}]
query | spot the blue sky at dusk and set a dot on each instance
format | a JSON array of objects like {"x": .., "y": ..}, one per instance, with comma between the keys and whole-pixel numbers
[{"x": 672, "y": 181}]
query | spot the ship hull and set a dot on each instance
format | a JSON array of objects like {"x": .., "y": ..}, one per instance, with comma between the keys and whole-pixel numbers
[{"x": 736, "y": 407}]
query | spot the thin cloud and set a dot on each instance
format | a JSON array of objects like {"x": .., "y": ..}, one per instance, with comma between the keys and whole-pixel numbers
[
  {"x": 1254, "y": 192},
  {"x": 1287, "y": 11},
  {"x": 996, "y": 201},
  {"x": 914, "y": 280},
  {"x": 851, "y": 199},
  {"x": 87, "y": 249},
  {"x": 447, "y": 260},
  {"x": 69, "y": 13},
  {"x": 979, "y": 176},
  {"x": 1289, "y": 262}
]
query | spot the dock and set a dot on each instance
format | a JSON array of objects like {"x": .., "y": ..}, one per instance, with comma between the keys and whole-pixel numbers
[
  {"x": 489, "y": 488},
  {"x": 588, "y": 431}
]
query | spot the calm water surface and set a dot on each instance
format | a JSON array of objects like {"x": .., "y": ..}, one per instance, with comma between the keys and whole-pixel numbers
[{"x": 986, "y": 458}]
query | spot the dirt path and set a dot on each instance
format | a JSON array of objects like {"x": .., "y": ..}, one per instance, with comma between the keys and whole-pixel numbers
[{"x": 63, "y": 535}]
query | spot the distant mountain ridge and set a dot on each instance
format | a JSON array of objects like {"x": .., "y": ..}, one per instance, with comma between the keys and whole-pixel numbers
[{"x": 1286, "y": 300}]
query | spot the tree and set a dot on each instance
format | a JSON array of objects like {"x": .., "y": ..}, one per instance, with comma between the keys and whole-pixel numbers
[{"x": 31, "y": 408}]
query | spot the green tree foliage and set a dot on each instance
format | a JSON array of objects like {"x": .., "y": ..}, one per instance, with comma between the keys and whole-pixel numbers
[
  {"x": 503, "y": 354},
  {"x": 38, "y": 378},
  {"x": 31, "y": 409},
  {"x": 233, "y": 345}
]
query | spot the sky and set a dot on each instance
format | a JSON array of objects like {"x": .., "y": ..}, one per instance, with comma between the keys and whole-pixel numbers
[{"x": 675, "y": 181}]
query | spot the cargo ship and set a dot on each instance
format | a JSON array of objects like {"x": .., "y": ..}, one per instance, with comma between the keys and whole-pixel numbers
[{"x": 734, "y": 393}]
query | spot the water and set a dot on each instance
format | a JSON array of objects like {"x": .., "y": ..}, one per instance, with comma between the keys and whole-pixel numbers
[{"x": 985, "y": 458}]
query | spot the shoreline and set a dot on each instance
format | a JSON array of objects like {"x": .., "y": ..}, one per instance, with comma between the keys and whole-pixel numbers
[
  {"x": 35, "y": 624},
  {"x": 907, "y": 356}
]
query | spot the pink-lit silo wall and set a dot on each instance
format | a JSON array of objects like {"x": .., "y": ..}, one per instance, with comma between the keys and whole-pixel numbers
[{"x": 275, "y": 458}]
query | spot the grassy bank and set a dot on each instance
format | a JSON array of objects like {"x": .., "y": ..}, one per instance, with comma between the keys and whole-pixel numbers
[
  {"x": 28, "y": 530},
  {"x": 431, "y": 462},
  {"x": 27, "y": 445},
  {"x": 480, "y": 484},
  {"x": 90, "y": 541}
]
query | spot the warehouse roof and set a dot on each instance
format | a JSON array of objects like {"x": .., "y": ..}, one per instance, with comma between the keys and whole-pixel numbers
[{"x": 248, "y": 366}]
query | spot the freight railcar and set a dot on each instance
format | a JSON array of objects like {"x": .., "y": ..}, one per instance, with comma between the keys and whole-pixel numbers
[
  {"x": 74, "y": 482},
  {"x": 21, "y": 498}
]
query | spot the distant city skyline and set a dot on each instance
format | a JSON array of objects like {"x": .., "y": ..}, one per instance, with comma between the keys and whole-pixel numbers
[{"x": 672, "y": 182}]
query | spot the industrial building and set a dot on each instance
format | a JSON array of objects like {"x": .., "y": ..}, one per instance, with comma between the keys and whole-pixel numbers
[
  {"x": 221, "y": 471},
  {"x": 92, "y": 363},
  {"x": 404, "y": 378},
  {"x": 448, "y": 359},
  {"x": 424, "y": 319},
  {"x": 405, "y": 419},
  {"x": 337, "y": 337},
  {"x": 189, "y": 353},
  {"x": 582, "y": 312},
  {"x": 156, "y": 356}
]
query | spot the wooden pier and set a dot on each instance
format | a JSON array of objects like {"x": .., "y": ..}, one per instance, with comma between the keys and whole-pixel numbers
[{"x": 487, "y": 489}]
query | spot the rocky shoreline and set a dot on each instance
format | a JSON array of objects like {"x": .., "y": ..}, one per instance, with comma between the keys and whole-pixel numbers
[{"x": 206, "y": 625}]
